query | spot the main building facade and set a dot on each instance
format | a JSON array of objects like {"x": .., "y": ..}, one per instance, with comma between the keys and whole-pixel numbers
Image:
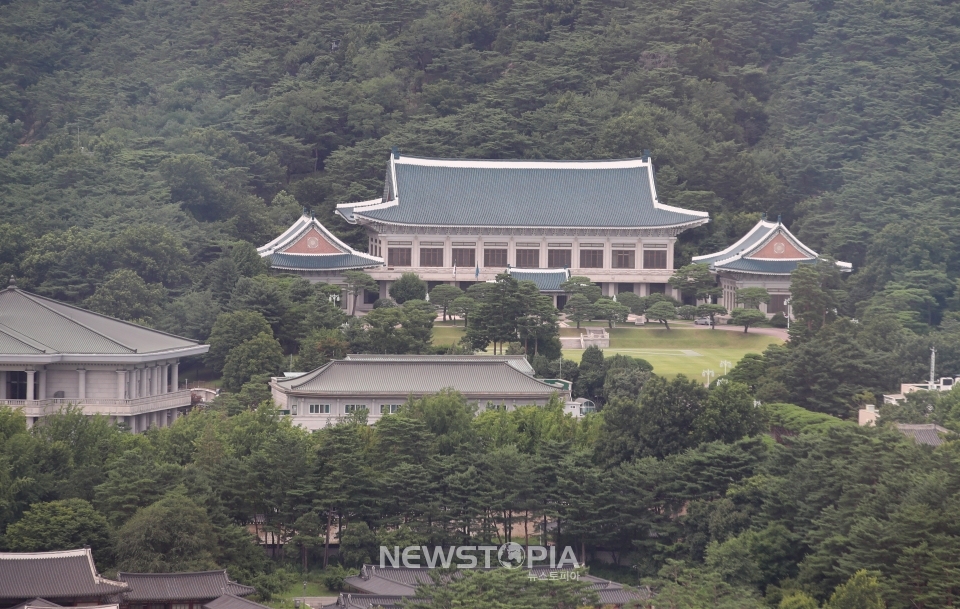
[{"x": 464, "y": 221}]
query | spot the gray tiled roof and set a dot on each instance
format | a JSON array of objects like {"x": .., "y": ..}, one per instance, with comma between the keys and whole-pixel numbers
[
  {"x": 232, "y": 601},
  {"x": 166, "y": 587},
  {"x": 523, "y": 193},
  {"x": 547, "y": 280},
  {"x": 399, "y": 377},
  {"x": 35, "y": 602},
  {"x": 31, "y": 324},
  {"x": 924, "y": 433},
  {"x": 67, "y": 574},
  {"x": 518, "y": 362},
  {"x": 321, "y": 262}
]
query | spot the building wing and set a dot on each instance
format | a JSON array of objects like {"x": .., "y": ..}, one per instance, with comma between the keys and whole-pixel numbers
[
  {"x": 554, "y": 194},
  {"x": 309, "y": 246},
  {"x": 768, "y": 248}
]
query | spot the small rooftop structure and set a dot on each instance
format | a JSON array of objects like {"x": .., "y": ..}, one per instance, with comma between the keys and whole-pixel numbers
[
  {"x": 178, "y": 587},
  {"x": 548, "y": 281},
  {"x": 61, "y": 577},
  {"x": 232, "y": 601},
  {"x": 517, "y": 362}
]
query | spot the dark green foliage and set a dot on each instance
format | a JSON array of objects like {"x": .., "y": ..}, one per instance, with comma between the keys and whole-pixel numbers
[
  {"x": 61, "y": 525},
  {"x": 124, "y": 295},
  {"x": 746, "y": 318},
  {"x": 232, "y": 330},
  {"x": 171, "y": 535},
  {"x": 259, "y": 355},
  {"x": 408, "y": 287}
]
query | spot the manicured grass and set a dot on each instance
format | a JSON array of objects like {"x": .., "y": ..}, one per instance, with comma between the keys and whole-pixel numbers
[
  {"x": 446, "y": 335},
  {"x": 285, "y": 599},
  {"x": 682, "y": 351}
]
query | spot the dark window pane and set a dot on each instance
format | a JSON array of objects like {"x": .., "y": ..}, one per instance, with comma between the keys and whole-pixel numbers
[
  {"x": 398, "y": 256},
  {"x": 654, "y": 259},
  {"x": 658, "y": 288},
  {"x": 431, "y": 256},
  {"x": 778, "y": 304},
  {"x": 495, "y": 258},
  {"x": 624, "y": 259},
  {"x": 558, "y": 259},
  {"x": 528, "y": 259},
  {"x": 591, "y": 259},
  {"x": 464, "y": 257}
]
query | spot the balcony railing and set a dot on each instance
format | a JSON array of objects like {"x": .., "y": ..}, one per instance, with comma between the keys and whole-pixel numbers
[{"x": 107, "y": 407}]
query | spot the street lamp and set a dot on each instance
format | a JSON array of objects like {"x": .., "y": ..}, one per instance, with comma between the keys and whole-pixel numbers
[
  {"x": 709, "y": 374},
  {"x": 726, "y": 365}
]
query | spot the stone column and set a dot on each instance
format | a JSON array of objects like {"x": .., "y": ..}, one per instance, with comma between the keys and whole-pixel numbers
[
  {"x": 154, "y": 380},
  {"x": 175, "y": 380},
  {"x": 121, "y": 384},
  {"x": 30, "y": 375},
  {"x": 82, "y": 385},
  {"x": 43, "y": 385},
  {"x": 164, "y": 378},
  {"x": 3, "y": 385},
  {"x": 142, "y": 391}
]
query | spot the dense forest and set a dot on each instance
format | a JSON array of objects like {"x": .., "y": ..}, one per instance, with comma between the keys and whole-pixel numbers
[
  {"x": 693, "y": 501},
  {"x": 142, "y": 141}
]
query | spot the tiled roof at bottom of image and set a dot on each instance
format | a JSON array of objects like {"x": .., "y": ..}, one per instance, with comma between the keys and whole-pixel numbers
[
  {"x": 53, "y": 575},
  {"x": 199, "y": 585}
]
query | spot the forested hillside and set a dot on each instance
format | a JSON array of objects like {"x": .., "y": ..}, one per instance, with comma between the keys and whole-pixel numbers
[{"x": 143, "y": 134}]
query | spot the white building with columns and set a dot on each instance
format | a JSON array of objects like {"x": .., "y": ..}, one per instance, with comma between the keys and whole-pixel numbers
[
  {"x": 53, "y": 354},
  {"x": 463, "y": 221}
]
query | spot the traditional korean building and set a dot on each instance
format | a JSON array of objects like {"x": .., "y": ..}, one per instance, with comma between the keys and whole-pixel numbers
[
  {"x": 53, "y": 354},
  {"x": 195, "y": 590},
  {"x": 53, "y": 579},
  {"x": 380, "y": 384},
  {"x": 463, "y": 221},
  {"x": 763, "y": 258},
  {"x": 309, "y": 249}
]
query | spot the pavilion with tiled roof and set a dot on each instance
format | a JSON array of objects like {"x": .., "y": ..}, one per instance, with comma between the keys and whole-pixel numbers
[
  {"x": 309, "y": 249},
  {"x": 462, "y": 220},
  {"x": 764, "y": 258}
]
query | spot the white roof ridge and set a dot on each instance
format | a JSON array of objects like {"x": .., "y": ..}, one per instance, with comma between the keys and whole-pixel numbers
[
  {"x": 44, "y": 555},
  {"x": 273, "y": 244},
  {"x": 730, "y": 248},
  {"x": 523, "y": 163},
  {"x": 22, "y": 338}
]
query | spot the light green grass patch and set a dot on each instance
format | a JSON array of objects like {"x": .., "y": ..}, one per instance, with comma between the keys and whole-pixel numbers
[
  {"x": 682, "y": 351},
  {"x": 447, "y": 335},
  {"x": 285, "y": 599}
]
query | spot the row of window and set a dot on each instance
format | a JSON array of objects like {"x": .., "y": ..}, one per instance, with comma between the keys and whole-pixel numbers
[
  {"x": 528, "y": 258},
  {"x": 351, "y": 408}
]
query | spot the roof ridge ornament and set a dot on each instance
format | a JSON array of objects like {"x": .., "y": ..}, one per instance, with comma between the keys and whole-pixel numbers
[
  {"x": 395, "y": 150},
  {"x": 13, "y": 281},
  {"x": 779, "y": 218}
]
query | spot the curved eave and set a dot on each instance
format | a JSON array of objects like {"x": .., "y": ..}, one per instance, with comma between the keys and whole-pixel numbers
[
  {"x": 688, "y": 224},
  {"x": 102, "y": 358},
  {"x": 332, "y": 268}
]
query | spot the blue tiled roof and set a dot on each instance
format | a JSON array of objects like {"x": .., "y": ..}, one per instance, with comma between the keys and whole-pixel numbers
[
  {"x": 547, "y": 280},
  {"x": 772, "y": 267},
  {"x": 548, "y": 196},
  {"x": 325, "y": 262}
]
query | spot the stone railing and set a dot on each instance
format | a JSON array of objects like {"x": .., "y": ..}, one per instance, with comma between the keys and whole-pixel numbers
[{"x": 106, "y": 406}]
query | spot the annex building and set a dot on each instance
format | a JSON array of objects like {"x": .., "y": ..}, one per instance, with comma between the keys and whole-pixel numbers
[
  {"x": 763, "y": 258},
  {"x": 463, "y": 221},
  {"x": 53, "y": 354},
  {"x": 380, "y": 384}
]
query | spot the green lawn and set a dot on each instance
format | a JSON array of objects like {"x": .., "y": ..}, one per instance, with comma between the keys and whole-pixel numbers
[
  {"x": 682, "y": 351},
  {"x": 446, "y": 334},
  {"x": 285, "y": 599}
]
